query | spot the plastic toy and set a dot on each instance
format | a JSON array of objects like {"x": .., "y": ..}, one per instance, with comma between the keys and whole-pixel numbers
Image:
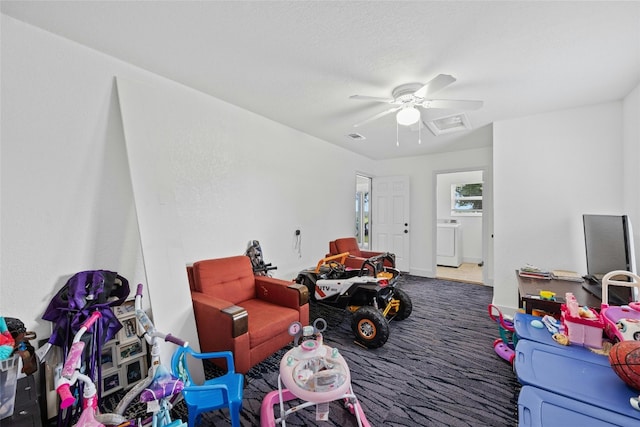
[
  {"x": 370, "y": 293},
  {"x": 71, "y": 374},
  {"x": 506, "y": 344},
  {"x": 254, "y": 252},
  {"x": 6, "y": 340},
  {"x": 624, "y": 358},
  {"x": 314, "y": 373},
  {"x": 621, "y": 323},
  {"x": 160, "y": 389},
  {"x": 582, "y": 325},
  {"x": 548, "y": 295},
  {"x": 159, "y": 386}
]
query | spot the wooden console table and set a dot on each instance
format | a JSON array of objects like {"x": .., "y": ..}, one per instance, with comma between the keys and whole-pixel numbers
[{"x": 529, "y": 292}]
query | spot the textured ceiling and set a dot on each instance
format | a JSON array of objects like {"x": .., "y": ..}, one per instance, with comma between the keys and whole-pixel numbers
[{"x": 297, "y": 62}]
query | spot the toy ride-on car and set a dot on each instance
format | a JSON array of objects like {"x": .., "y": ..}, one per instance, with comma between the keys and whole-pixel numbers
[{"x": 370, "y": 293}]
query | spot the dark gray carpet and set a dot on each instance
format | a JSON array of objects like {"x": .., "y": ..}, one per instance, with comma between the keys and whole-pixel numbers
[{"x": 438, "y": 367}]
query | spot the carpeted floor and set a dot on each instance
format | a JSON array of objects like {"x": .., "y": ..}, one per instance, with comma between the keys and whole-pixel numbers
[{"x": 438, "y": 367}]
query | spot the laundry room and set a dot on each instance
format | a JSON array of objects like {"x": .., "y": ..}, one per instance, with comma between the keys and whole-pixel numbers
[{"x": 459, "y": 226}]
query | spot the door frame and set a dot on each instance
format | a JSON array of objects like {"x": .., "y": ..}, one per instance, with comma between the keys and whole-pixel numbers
[{"x": 487, "y": 214}]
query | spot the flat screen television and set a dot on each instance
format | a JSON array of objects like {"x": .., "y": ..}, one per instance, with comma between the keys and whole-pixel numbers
[{"x": 609, "y": 247}]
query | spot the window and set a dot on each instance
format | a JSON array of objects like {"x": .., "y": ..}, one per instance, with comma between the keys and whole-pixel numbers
[{"x": 466, "y": 199}]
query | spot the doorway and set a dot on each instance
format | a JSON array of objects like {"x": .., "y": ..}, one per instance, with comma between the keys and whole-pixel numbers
[
  {"x": 363, "y": 196},
  {"x": 459, "y": 226}
]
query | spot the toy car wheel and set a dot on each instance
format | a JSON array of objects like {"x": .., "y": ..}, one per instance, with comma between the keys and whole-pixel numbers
[
  {"x": 370, "y": 327},
  {"x": 406, "y": 307}
]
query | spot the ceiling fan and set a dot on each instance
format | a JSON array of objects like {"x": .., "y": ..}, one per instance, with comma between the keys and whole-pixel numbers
[{"x": 406, "y": 97}]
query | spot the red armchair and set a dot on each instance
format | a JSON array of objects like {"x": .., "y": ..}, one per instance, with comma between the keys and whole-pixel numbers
[
  {"x": 246, "y": 314},
  {"x": 356, "y": 255}
]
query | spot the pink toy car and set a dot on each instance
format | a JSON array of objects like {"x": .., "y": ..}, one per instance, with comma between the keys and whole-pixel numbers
[{"x": 620, "y": 323}]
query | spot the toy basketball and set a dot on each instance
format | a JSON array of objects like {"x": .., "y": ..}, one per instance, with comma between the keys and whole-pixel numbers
[{"x": 625, "y": 361}]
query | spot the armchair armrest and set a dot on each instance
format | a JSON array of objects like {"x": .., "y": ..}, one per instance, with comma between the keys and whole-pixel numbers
[
  {"x": 303, "y": 292},
  {"x": 281, "y": 292},
  {"x": 225, "y": 315}
]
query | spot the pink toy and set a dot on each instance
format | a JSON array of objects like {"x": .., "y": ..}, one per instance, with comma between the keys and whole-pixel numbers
[
  {"x": 314, "y": 373},
  {"x": 6, "y": 340},
  {"x": 583, "y": 326},
  {"x": 504, "y": 346},
  {"x": 620, "y": 323}
]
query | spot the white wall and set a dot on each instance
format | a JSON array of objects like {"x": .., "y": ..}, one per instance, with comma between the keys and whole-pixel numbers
[
  {"x": 470, "y": 226},
  {"x": 67, "y": 204},
  {"x": 67, "y": 201},
  {"x": 549, "y": 169},
  {"x": 234, "y": 176}
]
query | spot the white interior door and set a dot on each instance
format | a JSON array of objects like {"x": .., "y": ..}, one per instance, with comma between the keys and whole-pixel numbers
[{"x": 390, "y": 218}]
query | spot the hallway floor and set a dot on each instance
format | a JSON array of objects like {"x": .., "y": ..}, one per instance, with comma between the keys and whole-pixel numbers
[{"x": 467, "y": 272}]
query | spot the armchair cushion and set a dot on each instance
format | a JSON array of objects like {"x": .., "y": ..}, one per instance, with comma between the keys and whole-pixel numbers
[
  {"x": 347, "y": 244},
  {"x": 225, "y": 278},
  {"x": 267, "y": 319}
]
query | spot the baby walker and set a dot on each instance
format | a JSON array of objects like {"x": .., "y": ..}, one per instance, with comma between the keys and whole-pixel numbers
[
  {"x": 312, "y": 372},
  {"x": 506, "y": 344}
]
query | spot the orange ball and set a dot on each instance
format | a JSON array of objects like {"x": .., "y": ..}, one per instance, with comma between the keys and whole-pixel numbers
[{"x": 624, "y": 358}]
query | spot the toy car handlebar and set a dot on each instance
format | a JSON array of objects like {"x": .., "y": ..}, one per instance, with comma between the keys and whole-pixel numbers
[{"x": 139, "y": 289}]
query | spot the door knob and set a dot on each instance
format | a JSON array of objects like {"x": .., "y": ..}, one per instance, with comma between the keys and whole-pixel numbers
[{"x": 406, "y": 231}]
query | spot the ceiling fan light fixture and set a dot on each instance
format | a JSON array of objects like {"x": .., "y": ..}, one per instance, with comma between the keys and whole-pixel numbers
[{"x": 408, "y": 116}]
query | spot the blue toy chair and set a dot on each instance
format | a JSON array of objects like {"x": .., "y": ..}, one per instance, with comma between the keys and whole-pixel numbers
[{"x": 216, "y": 393}]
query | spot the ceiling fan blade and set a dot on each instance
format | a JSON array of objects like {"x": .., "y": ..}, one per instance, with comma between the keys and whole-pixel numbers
[
  {"x": 454, "y": 104},
  {"x": 434, "y": 85},
  {"x": 370, "y": 98},
  {"x": 377, "y": 116}
]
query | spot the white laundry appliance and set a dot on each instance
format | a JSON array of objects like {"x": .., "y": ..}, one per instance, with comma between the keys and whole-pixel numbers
[{"x": 449, "y": 244}]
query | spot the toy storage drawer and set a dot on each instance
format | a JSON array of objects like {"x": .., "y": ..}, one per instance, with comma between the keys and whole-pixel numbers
[{"x": 26, "y": 412}]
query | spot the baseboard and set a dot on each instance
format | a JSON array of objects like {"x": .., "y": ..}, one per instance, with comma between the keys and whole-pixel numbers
[{"x": 421, "y": 272}]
